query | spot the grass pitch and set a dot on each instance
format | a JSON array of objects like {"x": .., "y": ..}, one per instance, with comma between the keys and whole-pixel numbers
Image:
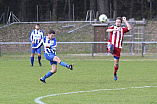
[{"x": 20, "y": 83}]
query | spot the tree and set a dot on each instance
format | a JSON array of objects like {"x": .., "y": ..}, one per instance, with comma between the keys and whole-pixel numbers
[
  {"x": 131, "y": 8},
  {"x": 100, "y": 6},
  {"x": 85, "y": 6},
  {"x": 106, "y": 8},
  {"x": 54, "y": 12},
  {"x": 142, "y": 6},
  {"x": 69, "y": 12},
  {"x": 26, "y": 10},
  {"x": 115, "y": 9},
  {"x": 93, "y": 5},
  {"x": 65, "y": 6},
  {"x": 23, "y": 10}
]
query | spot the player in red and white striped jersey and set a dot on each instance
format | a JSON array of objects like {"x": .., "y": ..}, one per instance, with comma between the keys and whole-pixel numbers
[{"x": 116, "y": 40}]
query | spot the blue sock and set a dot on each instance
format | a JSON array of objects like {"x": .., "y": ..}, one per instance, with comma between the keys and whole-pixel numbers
[
  {"x": 47, "y": 75},
  {"x": 32, "y": 60},
  {"x": 39, "y": 58},
  {"x": 64, "y": 64}
]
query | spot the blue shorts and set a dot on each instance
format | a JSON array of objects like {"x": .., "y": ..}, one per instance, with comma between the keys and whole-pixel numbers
[
  {"x": 38, "y": 50},
  {"x": 50, "y": 57},
  {"x": 116, "y": 57}
]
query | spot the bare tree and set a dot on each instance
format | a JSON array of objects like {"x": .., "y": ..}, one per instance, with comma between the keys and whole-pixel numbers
[
  {"x": 23, "y": 10},
  {"x": 26, "y": 10},
  {"x": 106, "y": 8},
  {"x": 54, "y": 12},
  {"x": 142, "y": 8},
  {"x": 65, "y": 6},
  {"x": 100, "y": 6},
  {"x": 131, "y": 8},
  {"x": 69, "y": 12},
  {"x": 115, "y": 9},
  {"x": 85, "y": 7},
  {"x": 93, "y": 5}
]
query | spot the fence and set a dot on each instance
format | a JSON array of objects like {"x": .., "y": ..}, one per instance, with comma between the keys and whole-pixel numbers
[
  {"x": 13, "y": 39},
  {"x": 89, "y": 46}
]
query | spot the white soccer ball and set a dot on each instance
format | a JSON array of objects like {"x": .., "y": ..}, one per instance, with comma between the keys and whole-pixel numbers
[{"x": 103, "y": 18}]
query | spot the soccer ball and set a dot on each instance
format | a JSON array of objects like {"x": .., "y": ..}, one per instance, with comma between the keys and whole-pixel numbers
[{"x": 103, "y": 18}]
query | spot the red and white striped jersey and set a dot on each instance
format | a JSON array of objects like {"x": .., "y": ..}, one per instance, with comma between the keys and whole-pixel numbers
[{"x": 116, "y": 37}]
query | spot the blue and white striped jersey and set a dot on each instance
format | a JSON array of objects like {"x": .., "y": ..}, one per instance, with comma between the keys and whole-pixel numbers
[
  {"x": 35, "y": 35},
  {"x": 47, "y": 42}
]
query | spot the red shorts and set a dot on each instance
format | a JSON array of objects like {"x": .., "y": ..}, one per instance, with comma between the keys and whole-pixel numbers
[{"x": 116, "y": 52}]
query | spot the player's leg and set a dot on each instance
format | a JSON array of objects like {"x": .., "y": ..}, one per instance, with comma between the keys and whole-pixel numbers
[
  {"x": 39, "y": 59},
  {"x": 51, "y": 72},
  {"x": 57, "y": 59},
  {"x": 39, "y": 55},
  {"x": 32, "y": 57},
  {"x": 32, "y": 54},
  {"x": 116, "y": 66}
]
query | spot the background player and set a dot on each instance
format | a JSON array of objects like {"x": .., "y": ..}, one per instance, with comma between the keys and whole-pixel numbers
[
  {"x": 35, "y": 37},
  {"x": 116, "y": 39},
  {"x": 49, "y": 43}
]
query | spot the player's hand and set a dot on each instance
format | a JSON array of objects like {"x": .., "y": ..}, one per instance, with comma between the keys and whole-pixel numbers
[
  {"x": 33, "y": 48},
  {"x": 39, "y": 39},
  {"x": 33, "y": 42},
  {"x": 124, "y": 18}
]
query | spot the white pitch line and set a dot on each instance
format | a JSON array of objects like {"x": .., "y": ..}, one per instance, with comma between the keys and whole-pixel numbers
[{"x": 38, "y": 100}]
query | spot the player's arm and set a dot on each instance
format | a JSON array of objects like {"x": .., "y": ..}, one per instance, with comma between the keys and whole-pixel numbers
[
  {"x": 111, "y": 29},
  {"x": 39, "y": 45},
  {"x": 42, "y": 35},
  {"x": 54, "y": 44},
  {"x": 31, "y": 38},
  {"x": 126, "y": 22}
]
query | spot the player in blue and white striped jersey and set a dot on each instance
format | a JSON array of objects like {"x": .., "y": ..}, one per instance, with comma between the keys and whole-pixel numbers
[
  {"x": 49, "y": 46},
  {"x": 35, "y": 37}
]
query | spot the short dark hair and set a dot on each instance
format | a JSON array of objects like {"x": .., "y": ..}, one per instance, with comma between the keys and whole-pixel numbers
[
  {"x": 119, "y": 18},
  {"x": 38, "y": 24},
  {"x": 51, "y": 32}
]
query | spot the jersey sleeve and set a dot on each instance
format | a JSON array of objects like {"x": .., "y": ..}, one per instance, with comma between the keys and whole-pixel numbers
[
  {"x": 54, "y": 44},
  {"x": 31, "y": 36},
  {"x": 125, "y": 29},
  {"x": 111, "y": 27},
  {"x": 42, "y": 34}
]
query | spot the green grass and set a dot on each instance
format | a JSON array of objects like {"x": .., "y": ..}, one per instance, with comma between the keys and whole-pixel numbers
[{"x": 20, "y": 83}]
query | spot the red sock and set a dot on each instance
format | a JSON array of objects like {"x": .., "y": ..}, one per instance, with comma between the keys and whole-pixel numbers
[{"x": 115, "y": 69}]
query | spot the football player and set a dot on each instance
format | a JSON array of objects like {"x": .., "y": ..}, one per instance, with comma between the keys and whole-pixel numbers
[
  {"x": 116, "y": 40},
  {"x": 49, "y": 45},
  {"x": 35, "y": 37}
]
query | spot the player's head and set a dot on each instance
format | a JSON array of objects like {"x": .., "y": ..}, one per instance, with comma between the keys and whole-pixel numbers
[
  {"x": 118, "y": 21},
  {"x": 51, "y": 34},
  {"x": 37, "y": 26}
]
